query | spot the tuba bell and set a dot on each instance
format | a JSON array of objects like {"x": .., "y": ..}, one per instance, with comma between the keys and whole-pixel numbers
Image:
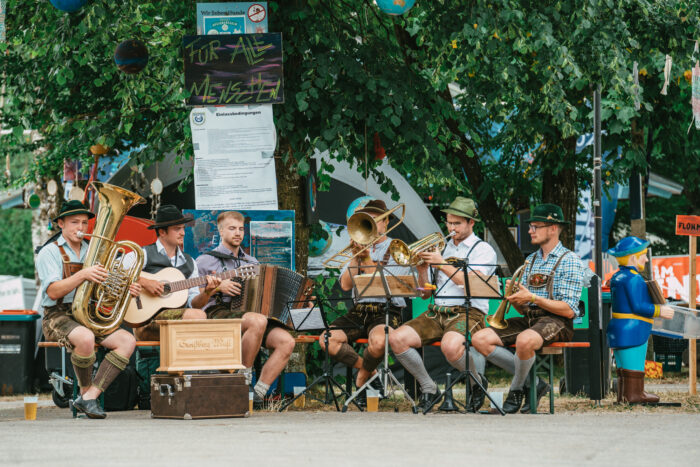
[
  {"x": 409, "y": 255},
  {"x": 101, "y": 307},
  {"x": 497, "y": 320}
]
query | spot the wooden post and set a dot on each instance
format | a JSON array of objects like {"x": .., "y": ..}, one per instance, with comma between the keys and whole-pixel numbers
[{"x": 693, "y": 293}]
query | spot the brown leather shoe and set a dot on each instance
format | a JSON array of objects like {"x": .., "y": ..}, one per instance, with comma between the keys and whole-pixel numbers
[{"x": 634, "y": 388}]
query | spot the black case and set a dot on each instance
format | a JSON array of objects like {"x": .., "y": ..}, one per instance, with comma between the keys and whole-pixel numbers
[{"x": 199, "y": 396}]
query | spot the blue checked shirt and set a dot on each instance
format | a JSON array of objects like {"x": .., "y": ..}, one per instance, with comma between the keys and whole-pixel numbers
[{"x": 568, "y": 278}]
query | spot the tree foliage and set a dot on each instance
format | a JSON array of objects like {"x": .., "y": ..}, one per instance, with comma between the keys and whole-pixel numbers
[
  {"x": 521, "y": 74},
  {"x": 16, "y": 253}
]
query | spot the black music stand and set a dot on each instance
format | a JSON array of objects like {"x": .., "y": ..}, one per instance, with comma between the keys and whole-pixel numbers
[
  {"x": 384, "y": 284},
  {"x": 314, "y": 319},
  {"x": 487, "y": 291}
]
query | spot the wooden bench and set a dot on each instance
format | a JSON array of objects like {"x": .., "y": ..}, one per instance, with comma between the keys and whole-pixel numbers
[{"x": 543, "y": 362}]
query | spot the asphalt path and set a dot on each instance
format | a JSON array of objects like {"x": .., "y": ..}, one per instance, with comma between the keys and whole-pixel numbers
[{"x": 328, "y": 438}]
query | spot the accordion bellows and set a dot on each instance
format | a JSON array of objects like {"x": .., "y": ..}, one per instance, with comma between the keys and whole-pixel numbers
[{"x": 273, "y": 292}]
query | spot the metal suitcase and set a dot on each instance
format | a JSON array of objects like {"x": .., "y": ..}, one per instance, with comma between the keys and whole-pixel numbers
[{"x": 199, "y": 396}]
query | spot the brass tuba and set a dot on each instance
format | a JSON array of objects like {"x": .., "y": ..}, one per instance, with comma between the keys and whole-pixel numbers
[
  {"x": 497, "y": 320},
  {"x": 101, "y": 307},
  {"x": 362, "y": 229},
  {"x": 409, "y": 255}
]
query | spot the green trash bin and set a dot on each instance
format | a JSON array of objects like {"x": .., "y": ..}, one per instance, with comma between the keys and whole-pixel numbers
[{"x": 17, "y": 347}]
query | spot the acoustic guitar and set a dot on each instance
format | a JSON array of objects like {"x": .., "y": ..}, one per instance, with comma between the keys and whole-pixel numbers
[{"x": 175, "y": 288}]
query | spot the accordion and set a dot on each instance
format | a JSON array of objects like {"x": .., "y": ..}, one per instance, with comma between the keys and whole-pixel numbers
[{"x": 271, "y": 292}]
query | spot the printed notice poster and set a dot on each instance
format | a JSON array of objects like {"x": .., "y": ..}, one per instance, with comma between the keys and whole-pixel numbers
[
  {"x": 231, "y": 18},
  {"x": 234, "y": 167},
  {"x": 272, "y": 242}
]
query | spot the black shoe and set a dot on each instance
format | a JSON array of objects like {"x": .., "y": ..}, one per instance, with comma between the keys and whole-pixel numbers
[
  {"x": 361, "y": 399},
  {"x": 513, "y": 401},
  {"x": 377, "y": 385},
  {"x": 542, "y": 389},
  {"x": 427, "y": 400},
  {"x": 478, "y": 395},
  {"x": 90, "y": 407},
  {"x": 258, "y": 402}
]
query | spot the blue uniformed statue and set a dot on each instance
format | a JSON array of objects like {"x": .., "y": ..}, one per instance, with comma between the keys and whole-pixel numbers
[{"x": 633, "y": 313}]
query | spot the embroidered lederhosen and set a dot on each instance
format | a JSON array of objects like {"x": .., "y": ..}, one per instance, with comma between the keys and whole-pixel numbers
[
  {"x": 69, "y": 267},
  {"x": 548, "y": 282}
]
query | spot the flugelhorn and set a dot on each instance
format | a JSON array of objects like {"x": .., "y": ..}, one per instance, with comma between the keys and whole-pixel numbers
[
  {"x": 409, "y": 255},
  {"x": 101, "y": 307},
  {"x": 497, "y": 320},
  {"x": 362, "y": 229}
]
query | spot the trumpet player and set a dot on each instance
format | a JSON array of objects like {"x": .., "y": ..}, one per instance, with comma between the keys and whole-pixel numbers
[
  {"x": 547, "y": 297},
  {"x": 366, "y": 318},
  {"x": 59, "y": 265},
  {"x": 446, "y": 321}
]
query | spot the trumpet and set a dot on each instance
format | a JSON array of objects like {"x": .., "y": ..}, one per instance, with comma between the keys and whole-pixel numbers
[
  {"x": 497, "y": 320},
  {"x": 409, "y": 255},
  {"x": 362, "y": 229}
]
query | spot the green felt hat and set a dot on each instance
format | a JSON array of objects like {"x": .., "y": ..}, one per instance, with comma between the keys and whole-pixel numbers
[
  {"x": 548, "y": 213},
  {"x": 463, "y": 207},
  {"x": 71, "y": 208}
]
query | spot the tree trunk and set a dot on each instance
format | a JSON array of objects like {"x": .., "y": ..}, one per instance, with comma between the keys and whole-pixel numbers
[
  {"x": 489, "y": 210},
  {"x": 290, "y": 195},
  {"x": 559, "y": 185}
]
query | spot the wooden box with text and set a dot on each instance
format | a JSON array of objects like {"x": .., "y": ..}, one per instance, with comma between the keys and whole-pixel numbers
[{"x": 191, "y": 345}]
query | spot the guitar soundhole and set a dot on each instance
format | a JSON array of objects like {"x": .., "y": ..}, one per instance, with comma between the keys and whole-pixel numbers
[{"x": 166, "y": 289}]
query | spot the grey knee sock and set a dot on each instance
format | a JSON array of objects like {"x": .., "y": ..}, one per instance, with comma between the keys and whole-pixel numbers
[
  {"x": 479, "y": 360},
  {"x": 502, "y": 358},
  {"x": 522, "y": 368},
  {"x": 412, "y": 362},
  {"x": 461, "y": 365}
]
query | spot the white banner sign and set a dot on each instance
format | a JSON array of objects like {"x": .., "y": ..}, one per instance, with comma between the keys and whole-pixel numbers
[{"x": 234, "y": 165}]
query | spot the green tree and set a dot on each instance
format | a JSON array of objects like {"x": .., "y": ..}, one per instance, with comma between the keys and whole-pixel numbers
[
  {"x": 16, "y": 252},
  {"x": 351, "y": 72}
]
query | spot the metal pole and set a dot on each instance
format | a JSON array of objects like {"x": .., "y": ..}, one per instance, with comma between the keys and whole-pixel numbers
[
  {"x": 597, "y": 354},
  {"x": 597, "y": 185}
]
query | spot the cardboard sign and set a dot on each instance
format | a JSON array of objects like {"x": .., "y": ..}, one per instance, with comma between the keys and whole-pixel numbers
[
  {"x": 234, "y": 69},
  {"x": 688, "y": 225}
]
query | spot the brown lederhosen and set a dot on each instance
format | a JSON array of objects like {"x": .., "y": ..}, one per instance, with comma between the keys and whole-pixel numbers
[
  {"x": 551, "y": 327},
  {"x": 432, "y": 325},
  {"x": 363, "y": 317},
  {"x": 58, "y": 320}
]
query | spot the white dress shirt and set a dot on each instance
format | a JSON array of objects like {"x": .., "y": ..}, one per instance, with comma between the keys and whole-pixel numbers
[{"x": 482, "y": 258}]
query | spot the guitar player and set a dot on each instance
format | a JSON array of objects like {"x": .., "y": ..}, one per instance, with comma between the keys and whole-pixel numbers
[
  {"x": 164, "y": 253},
  {"x": 256, "y": 329}
]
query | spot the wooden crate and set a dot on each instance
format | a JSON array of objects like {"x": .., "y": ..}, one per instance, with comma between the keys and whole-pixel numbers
[{"x": 200, "y": 344}]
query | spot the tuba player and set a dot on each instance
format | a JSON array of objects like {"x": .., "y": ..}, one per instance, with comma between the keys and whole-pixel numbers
[{"x": 59, "y": 265}]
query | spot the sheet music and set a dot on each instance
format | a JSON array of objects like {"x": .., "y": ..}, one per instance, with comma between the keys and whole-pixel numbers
[{"x": 307, "y": 319}]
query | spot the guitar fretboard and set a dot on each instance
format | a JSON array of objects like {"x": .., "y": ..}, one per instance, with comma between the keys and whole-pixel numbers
[{"x": 201, "y": 281}]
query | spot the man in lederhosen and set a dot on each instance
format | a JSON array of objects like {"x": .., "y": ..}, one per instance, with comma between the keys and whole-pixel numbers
[
  {"x": 547, "y": 298},
  {"x": 446, "y": 321},
  {"x": 257, "y": 330},
  {"x": 59, "y": 265},
  {"x": 167, "y": 252},
  {"x": 366, "y": 319}
]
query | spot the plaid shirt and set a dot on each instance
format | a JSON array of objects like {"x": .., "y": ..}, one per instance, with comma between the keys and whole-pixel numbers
[{"x": 568, "y": 278}]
